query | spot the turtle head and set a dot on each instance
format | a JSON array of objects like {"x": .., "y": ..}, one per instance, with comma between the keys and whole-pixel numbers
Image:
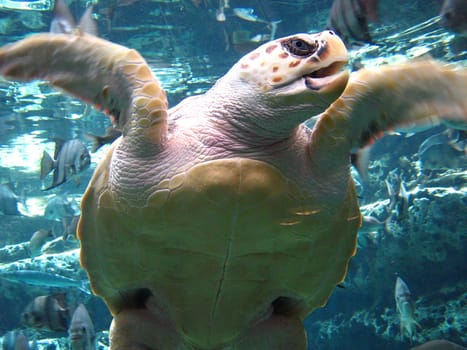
[
  {"x": 283, "y": 83},
  {"x": 303, "y": 68}
]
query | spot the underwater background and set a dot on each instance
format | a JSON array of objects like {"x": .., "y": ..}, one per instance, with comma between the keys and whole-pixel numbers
[{"x": 414, "y": 199}]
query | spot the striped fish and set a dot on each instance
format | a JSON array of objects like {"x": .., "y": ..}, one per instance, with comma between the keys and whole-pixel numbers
[
  {"x": 71, "y": 158},
  {"x": 453, "y": 16},
  {"x": 406, "y": 308},
  {"x": 46, "y": 312},
  {"x": 349, "y": 19},
  {"x": 63, "y": 21}
]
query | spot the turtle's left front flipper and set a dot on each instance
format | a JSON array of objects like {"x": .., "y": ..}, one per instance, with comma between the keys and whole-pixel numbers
[{"x": 411, "y": 96}]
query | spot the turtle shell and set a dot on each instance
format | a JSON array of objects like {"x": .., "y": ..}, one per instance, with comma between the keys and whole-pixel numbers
[{"x": 218, "y": 247}]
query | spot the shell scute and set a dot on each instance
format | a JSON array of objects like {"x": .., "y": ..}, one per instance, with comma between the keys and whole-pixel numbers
[
  {"x": 143, "y": 73},
  {"x": 130, "y": 69},
  {"x": 158, "y": 198},
  {"x": 151, "y": 89},
  {"x": 177, "y": 181}
]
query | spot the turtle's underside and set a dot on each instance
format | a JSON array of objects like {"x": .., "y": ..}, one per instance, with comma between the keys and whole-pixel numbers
[{"x": 223, "y": 222}]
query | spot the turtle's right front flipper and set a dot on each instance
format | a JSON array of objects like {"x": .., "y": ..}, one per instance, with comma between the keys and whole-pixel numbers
[{"x": 110, "y": 76}]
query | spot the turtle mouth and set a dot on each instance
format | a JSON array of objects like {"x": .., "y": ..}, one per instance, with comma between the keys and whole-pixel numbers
[{"x": 324, "y": 76}]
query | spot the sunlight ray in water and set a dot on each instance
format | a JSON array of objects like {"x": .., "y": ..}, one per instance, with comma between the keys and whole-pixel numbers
[{"x": 25, "y": 152}]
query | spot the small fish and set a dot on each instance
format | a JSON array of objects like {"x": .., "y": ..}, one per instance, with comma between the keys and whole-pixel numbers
[
  {"x": 63, "y": 21},
  {"x": 398, "y": 197},
  {"x": 111, "y": 134},
  {"x": 60, "y": 207},
  {"x": 259, "y": 38},
  {"x": 457, "y": 139},
  {"x": 70, "y": 159},
  {"x": 220, "y": 15},
  {"x": 403, "y": 204},
  {"x": 64, "y": 210},
  {"x": 15, "y": 340},
  {"x": 8, "y": 200},
  {"x": 60, "y": 245},
  {"x": 241, "y": 42},
  {"x": 44, "y": 279},
  {"x": 370, "y": 222},
  {"x": 406, "y": 308},
  {"x": 437, "y": 139},
  {"x": 454, "y": 16},
  {"x": 46, "y": 312},
  {"x": 37, "y": 241},
  {"x": 369, "y": 232},
  {"x": 81, "y": 332},
  {"x": 439, "y": 345},
  {"x": 247, "y": 14},
  {"x": 70, "y": 229},
  {"x": 442, "y": 156},
  {"x": 349, "y": 19}
]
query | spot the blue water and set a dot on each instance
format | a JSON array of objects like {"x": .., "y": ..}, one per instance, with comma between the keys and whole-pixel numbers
[{"x": 189, "y": 50}]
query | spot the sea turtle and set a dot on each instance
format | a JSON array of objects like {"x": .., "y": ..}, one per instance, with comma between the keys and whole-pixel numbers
[{"x": 223, "y": 222}]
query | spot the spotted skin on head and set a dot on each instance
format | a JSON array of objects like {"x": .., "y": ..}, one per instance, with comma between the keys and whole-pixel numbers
[{"x": 284, "y": 60}]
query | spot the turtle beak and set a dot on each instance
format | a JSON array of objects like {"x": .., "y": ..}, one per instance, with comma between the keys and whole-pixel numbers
[
  {"x": 328, "y": 78},
  {"x": 330, "y": 58}
]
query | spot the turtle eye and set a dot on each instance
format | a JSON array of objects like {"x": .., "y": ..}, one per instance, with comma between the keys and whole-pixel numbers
[{"x": 299, "y": 47}]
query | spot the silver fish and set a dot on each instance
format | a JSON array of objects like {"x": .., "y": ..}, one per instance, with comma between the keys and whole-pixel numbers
[
  {"x": 37, "y": 241},
  {"x": 220, "y": 15},
  {"x": 398, "y": 196},
  {"x": 442, "y": 156},
  {"x": 453, "y": 137},
  {"x": 8, "y": 201},
  {"x": 247, "y": 14},
  {"x": 46, "y": 312},
  {"x": 70, "y": 158},
  {"x": 370, "y": 222},
  {"x": 369, "y": 233},
  {"x": 349, "y": 19},
  {"x": 45, "y": 279},
  {"x": 454, "y": 16},
  {"x": 60, "y": 207},
  {"x": 406, "y": 308},
  {"x": 437, "y": 139},
  {"x": 63, "y": 21},
  {"x": 81, "y": 331},
  {"x": 64, "y": 210},
  {"x": 15, "y": 340}
]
